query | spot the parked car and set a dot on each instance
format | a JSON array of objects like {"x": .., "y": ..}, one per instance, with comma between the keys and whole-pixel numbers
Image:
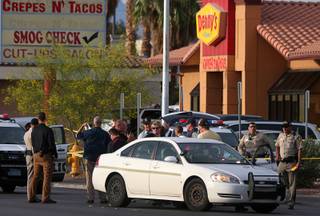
[
  {"x": 212, "y": 119},
  {"x": 198, "y": 172},
  {"x": 182, "y": 118},
  {"x": 234, "y": 117},
  {"x": 13, "y": 170},
  {"x": 227, "y": 136},
  {"x": 313, "y": 132}
]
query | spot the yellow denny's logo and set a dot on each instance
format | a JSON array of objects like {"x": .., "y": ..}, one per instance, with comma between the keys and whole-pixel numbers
[{"x": 211, "y": 24}]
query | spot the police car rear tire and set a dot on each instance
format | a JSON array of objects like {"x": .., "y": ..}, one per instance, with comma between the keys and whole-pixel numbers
[{"x": 8, "y": 188}]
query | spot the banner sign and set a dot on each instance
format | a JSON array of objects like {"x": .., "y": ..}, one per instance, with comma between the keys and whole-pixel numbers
[{"x": 30, "y": 27}]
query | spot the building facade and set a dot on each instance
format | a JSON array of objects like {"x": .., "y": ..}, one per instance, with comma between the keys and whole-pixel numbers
[{"x": 273, "y": 48}]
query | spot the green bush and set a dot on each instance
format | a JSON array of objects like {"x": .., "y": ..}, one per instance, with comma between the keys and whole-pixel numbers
[{"x": 310, "y": 169}]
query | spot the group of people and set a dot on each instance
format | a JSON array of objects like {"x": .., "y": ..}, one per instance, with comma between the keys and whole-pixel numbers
[
  {"x": 96, "y": 142},
  {"x": 288, "y": 154},
  {"x": 40, "y": 154},
  {"x": 41, "y": 150}
]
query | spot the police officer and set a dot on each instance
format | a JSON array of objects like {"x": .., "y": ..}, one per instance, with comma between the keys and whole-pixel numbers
[
  {"x": 250, "y": 142},
  {"x": 288, "y": 153}
]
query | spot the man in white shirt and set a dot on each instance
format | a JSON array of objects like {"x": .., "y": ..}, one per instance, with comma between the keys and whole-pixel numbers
[
  {"x": 29, "y": 154},
  {"x": 205, "y": 132}
]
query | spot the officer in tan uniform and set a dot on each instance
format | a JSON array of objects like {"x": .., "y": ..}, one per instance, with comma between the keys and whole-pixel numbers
[
  {"x": 288, "y": 153},
  {"x": 250, "y": 142}
]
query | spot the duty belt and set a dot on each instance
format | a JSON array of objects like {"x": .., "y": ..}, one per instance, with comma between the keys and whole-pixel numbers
[
  {"x": 29, "y": 152},
  {"x": 290, "y": 159}
]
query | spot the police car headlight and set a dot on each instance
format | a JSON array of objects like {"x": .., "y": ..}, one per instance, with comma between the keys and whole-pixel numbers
[{"x": 224, "y": 178}]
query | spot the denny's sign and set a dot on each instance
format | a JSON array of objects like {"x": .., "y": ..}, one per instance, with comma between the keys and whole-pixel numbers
[{"x": 211, "y": 24}]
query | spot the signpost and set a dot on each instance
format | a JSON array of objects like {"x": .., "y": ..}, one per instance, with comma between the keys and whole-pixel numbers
[
  {"x": 121, "y": 105},
  {"x": 138, "y": 113},
  {"x": 239, "y": 87},
  {"x": 306, "y": 110}
]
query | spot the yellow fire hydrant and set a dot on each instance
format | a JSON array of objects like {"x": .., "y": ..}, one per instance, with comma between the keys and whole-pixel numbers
[{"x": 74, "y": 160}]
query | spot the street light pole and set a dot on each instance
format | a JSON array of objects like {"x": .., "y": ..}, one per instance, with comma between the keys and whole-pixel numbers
[{"x": 165, "y": 62}]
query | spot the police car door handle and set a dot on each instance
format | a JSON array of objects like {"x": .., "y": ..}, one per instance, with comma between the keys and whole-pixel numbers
[
  {"x": 126, "y": 163},
  {"x": 60, "y": 150}
]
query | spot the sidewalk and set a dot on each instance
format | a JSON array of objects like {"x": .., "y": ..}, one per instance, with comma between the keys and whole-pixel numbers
[
  {"x": 79, "y": 182},
  {"x": 315, "y": 191}
]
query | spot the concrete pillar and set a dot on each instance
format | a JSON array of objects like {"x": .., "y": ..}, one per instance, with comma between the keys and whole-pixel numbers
[
  {"x": 230, "y": 79},
  {"x": 248, "y": 17}
]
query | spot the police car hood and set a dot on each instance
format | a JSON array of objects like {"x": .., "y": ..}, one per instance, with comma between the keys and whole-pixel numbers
[
  {"x": 239, "y": 170},
  {"x": 12, "y": 147}
]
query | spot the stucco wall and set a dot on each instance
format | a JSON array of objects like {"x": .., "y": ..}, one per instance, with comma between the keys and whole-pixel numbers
[
  {"x": 270, "y": 66},
  {"x": 190, "y": 80}
]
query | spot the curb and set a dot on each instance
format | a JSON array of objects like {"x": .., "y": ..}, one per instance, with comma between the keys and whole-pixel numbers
[{"x": 69, "y": 186}]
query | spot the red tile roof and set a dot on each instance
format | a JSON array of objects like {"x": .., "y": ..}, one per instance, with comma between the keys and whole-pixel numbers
[
  {"x": 292, "y": 28},
  {"x": 176, "y": 57}
]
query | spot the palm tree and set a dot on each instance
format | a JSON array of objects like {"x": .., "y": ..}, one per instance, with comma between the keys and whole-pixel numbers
[
  {"x": 130, "y": 28},
  {"x": 111, "y": 12},
  {"x": 182, "y": 22},
  {"x": 142, "y": 15}
]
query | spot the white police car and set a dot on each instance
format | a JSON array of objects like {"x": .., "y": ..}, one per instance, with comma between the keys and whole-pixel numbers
[{"x": 13, "y": 170}]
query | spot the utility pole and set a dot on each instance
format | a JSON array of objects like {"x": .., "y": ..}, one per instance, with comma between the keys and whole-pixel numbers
[{"x": 165, "y": 63}]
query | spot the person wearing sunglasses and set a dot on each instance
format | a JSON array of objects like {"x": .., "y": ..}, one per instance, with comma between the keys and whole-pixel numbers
[{"x": 156, "y": 128}]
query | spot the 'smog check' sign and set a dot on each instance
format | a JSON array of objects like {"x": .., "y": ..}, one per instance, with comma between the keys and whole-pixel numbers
[{"x": 30, "y": 27}]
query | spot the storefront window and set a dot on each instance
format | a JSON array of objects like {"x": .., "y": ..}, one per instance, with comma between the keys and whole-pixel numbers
[
  {"x": 195, "y": 98},
  {"x": 286, "y": 107}
]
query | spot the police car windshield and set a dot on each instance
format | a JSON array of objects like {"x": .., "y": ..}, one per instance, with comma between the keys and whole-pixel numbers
[
  {"x": 11, "y": 135},
  {"x": 229, "y": 138},
  {"x": 211, "y": 153}
]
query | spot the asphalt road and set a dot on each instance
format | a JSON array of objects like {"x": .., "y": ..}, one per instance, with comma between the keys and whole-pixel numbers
[{"x": 73, "y": 202}]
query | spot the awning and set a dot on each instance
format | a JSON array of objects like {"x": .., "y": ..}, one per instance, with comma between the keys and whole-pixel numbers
[{"x": 295, "y": 82}]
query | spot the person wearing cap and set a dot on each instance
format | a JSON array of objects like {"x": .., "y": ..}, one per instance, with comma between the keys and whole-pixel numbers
[
  {"x": 29, "y": 155},
  {"x": 288, "y": 154},
  {"x": 146, "y": 129},
  {"x": 96, "y": 142},
  {"x": 192, "y": 130},
  {"x": 205, "y": 132},
  {"x": 251, "y": 141}
]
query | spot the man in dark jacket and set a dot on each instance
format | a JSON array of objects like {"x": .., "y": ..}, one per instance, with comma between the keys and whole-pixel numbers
[
  {"x": 116, "y": 140},
  {"x": 95, "y": 143},
  {"x": 44, "y": 149}
]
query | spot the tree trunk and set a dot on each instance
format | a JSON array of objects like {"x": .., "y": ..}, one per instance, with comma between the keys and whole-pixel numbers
[
  {"x": 146, "y": 46},
  {"x": 130, "y": 28}
]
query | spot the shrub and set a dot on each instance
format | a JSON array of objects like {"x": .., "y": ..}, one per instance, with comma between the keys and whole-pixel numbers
[{"x": 310, "y": 169}]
